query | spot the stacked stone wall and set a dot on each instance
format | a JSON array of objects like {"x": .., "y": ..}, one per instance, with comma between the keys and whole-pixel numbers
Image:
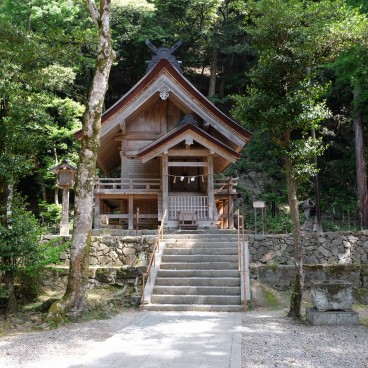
[
  {"x": 319, "y": 248},
  {"x": 116, "y": 251}
]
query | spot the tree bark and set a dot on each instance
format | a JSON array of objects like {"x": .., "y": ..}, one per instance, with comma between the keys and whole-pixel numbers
[
  {"x": 74, "y": 301},
  {"x": 319, "y": 227},
  {"x": 213, "y": 74},
  {"x": 11, "y": 303},
  {"x": 227, "y": 71},
  {"x": 361, "y": 174},
  {"x": 296, "y": 295}
]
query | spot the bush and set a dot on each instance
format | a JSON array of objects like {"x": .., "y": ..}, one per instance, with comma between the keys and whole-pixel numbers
[
  {"x": 50, "y": 215},
  {"x": 22, "y": 255}
]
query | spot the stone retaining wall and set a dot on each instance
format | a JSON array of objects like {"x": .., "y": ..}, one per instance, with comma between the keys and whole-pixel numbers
[
  {"x": 116, "y": 251},
  {"x": 282, "y": 277},
  {"x": 324, "y": 248}
]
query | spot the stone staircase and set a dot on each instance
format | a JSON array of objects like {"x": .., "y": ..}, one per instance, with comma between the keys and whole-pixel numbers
[{"x": 198, "y": 271}]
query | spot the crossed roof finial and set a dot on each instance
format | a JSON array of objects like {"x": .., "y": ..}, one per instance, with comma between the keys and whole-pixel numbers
[{"x": 163, "y": 53}]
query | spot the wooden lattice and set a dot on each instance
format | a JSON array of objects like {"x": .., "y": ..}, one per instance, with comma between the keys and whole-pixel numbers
[
  {"x": 196, "y": 204},
  {"x": 138, "y": 169}
]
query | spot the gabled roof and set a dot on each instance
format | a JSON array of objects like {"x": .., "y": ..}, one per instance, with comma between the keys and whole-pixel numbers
[
  {"x": 181, "y": 133},
  {"x": 165, "y": 67},
  {"x": 165, "y": 77}
]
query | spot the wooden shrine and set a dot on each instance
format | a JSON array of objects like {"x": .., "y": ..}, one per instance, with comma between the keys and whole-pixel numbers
[{"x": 162, "y": 145}]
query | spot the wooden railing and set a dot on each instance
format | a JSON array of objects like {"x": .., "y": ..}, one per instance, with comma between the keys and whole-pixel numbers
[
  {"x": 111, "y": 185},
  {"x": 152, "y": 260},
  {"x": 242, "y": 255},
  {"x": 225, "y": 185},
  {"x": 197, "y": 204}
]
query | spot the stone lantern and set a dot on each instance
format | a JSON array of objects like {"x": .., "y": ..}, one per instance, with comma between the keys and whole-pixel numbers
[{"x": 65, "y": 174}]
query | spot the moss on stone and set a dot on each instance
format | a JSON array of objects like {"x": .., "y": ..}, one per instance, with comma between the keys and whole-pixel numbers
[
  {"x": 272, "y": 266},
  {"x": 341, "y": 270},
  {"x": 361, "y": 295},
  {"x": 364, "y": 269},
  {"x": 314, "y": 267},
  {"x": 270, "y": 296}
]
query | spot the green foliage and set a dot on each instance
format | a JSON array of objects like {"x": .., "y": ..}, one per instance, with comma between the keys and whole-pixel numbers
[
  {"x": 50, "y": 213},
  {"x": 21, "y": 252},
  {"x": 19, "y": 238},
  {"x": 283, "y": 97},
  {"x": 303, "y": 153},
  {"x": 280, "y": 224},
  {"x": 44, "y": 45}
]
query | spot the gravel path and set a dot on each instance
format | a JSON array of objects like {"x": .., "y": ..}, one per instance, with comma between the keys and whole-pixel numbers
[
  {"x": 269, "y": 340},
  {"x": 59, "y": 348}
]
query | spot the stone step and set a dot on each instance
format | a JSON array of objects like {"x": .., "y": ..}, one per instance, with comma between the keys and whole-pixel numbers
[
  {"x": 201, "y": 232},
  {"x": 198, "y": 281},
  {"x": 196, "y": 299},
  {"x": 201, "y": 251},
  {"x": 190, "y": 273},
  {"x": 194, "y": 307},
  {"x": 198, "y": 272},
  {"x": 204, "y": 238},
  {"x": 196, "y": 290},
  {"x": 201, "y": 245},
  {"x": 199, "y": 258},
  {"x": 199, "y": 266}
]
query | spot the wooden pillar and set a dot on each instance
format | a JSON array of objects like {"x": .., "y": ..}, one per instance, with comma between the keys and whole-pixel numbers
[
  {"x": 211, "y": 191},
  {"x": 165, "y": 182},
  {"x": 130, "y": 212},
  {"x": 97, "y": 212},
  {"x": 124, "y": 165},
  {"x": 231, "y": 212},
  {"x": 64, "y": 228}
]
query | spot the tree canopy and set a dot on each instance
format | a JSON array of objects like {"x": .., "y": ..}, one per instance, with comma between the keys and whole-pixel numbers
[{"x": 284, "y": 69}]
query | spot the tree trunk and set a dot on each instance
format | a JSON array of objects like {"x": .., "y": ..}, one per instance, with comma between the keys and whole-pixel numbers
[
  {"x": 296, "y": 295},
  {"x": 317, "y": 192},
  {"x": 11, "y": 304},
  {"x": 75, "y": 300},
  {"x": 361, "y": 174},
  {"x": 227, "y": 70},
  {"x": 213, "y": 74}
]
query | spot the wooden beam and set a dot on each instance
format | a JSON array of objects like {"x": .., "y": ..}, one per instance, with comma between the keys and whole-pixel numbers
[
  {"x": 132, "y": 153},
  {"x": 123, "y": 127},
  {"x": 186, "y": 153},
  {"x": 123, "y": 195},
  {"x": 187, "y": 164},
  {"x": 138, "y": 136},
  {"x": 182, "y": 137}
]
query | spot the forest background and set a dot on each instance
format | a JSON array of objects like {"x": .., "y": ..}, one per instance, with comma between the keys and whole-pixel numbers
[
  {"x": 292, "y": 71},
  {"x": 47, "y": 55}
]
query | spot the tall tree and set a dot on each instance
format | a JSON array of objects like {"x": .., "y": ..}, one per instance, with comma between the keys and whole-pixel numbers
[
  {"x": 43, "y": 48},
  {"x": 361, "y": 172},
  {"x": 284, "y": 99},
  {"x": 351, "y": 78},
  {"x": 74, "y": 300}
]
